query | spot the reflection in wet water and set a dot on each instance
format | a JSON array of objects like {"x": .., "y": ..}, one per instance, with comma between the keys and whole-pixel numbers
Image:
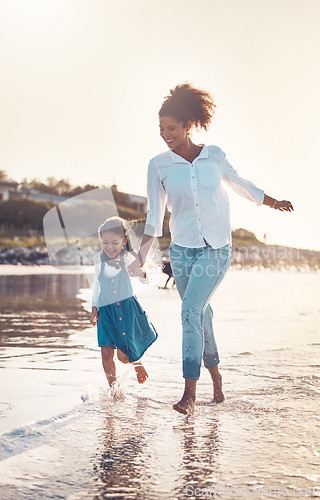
[
  {"x": 265, "y": 434},
  {"x": 38, "y": 309},
  {"x": 121, "y": 458},
  {"x": 140, "y": 456}
]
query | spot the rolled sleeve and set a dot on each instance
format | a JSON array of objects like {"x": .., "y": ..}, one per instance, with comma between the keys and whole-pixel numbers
[
  {"x": 241, "y": 186},
  {"x": 157, "y": 199}
]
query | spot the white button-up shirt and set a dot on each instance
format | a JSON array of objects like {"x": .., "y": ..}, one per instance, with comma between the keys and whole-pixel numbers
[{"x": 195, "y": 196}]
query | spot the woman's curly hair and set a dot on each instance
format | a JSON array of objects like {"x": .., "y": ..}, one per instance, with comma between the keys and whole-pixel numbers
[{"x": 186, "y": 103}]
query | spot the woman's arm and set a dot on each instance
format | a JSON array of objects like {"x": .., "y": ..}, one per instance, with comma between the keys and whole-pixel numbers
[
  {"x": 134, "y": 269},
  {"x": 145, "y": 246},
  {"x": 238, "y": 184},
  {"x": 157, "y": 199},
  {"x": 283, "y": 206},
  {"x": 249, "y": 190}
]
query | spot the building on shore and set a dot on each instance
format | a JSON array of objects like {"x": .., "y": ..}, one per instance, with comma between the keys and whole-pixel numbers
[{"x": 8, "y": 190}]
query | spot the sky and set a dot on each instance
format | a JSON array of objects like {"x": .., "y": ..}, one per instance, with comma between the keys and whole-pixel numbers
[{"x": 83, "y": 81}]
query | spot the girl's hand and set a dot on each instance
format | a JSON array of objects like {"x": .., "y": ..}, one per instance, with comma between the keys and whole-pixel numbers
[
  {"x": 142, "y": 274},
  {"x": 94, "y": 316},
  {"x": 283, "y": 206},
  {"x": 134, "y": 269}
]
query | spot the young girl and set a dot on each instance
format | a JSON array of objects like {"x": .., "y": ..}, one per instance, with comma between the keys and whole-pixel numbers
[{"x": 121, "y": 322}]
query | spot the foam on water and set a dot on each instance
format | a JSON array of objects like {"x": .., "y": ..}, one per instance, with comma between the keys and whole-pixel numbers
[{"x": 33, "y": 434}]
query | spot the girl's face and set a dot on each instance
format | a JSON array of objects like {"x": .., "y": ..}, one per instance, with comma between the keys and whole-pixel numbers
[
  {"x": 173, "y": 132},
  {"x": 112, "y": 243}
]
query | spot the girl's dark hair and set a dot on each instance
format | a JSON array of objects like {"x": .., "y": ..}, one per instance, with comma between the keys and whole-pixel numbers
[
  {"x": 115, "y": 225},
  {"x": 186, "y": 103}
]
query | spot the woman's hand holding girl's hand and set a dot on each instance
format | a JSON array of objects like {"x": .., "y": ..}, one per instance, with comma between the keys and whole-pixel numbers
[
  {"x": 94, "y": 316},
  {"x": 134, "y": 269},
  {"x": 142, "y": 274}
]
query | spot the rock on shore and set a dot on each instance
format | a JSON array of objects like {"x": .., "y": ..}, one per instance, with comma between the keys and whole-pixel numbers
[{"x": 251, "y": 256}]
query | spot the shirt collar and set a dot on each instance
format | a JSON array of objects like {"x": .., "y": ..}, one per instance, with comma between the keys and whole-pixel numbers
[{"x": 178, "y": 159}]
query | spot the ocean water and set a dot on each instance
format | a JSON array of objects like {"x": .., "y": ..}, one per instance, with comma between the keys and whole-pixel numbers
[{"x": 63, "y": 435}]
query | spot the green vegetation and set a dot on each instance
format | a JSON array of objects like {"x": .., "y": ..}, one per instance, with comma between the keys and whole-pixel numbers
[
  {"x": 22, "y": 214},
  {"x": 21, "y": 219}
]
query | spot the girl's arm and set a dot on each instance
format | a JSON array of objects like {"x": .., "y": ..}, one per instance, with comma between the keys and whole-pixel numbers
[
  {"x": 96, "y": 283},
  {"x": 95, "y": 291}
]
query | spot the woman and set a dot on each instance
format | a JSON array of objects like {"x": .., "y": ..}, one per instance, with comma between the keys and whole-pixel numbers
[{"x": 188, "y": 178}]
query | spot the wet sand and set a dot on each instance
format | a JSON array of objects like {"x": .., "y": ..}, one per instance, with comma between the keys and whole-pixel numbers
[{"x": 63, "y": 436}]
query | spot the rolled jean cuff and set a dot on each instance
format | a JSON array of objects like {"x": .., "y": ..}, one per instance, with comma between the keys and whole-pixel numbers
[
  {"x": 191, "y": 368},
  {"x": 211, "y": 360}
]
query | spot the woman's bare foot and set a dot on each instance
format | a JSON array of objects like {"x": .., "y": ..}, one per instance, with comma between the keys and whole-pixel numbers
[
  {"x": 140, "y": 372},
  {"x": 218, "y": 395},
  {"x": 185, "y": 405}
]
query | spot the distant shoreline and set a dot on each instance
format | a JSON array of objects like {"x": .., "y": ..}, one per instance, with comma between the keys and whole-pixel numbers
[
  {"x": 17, "y": 270},
  {"x": 20, "y": 260}
]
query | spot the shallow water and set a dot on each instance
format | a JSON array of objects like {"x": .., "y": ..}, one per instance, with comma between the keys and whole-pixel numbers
[{"x": 65, "y": 436}]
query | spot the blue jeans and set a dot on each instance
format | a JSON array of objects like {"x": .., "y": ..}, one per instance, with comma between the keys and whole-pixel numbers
[{"x": 198, "y": 272}]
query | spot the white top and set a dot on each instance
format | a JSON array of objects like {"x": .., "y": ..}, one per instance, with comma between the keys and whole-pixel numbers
[
  {"x": 109, "y": 272},
  {"x": 195, "y": 196}
]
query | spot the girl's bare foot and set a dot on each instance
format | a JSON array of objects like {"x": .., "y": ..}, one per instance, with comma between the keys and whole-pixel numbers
[
  {"x": 140, "y": 372},
  {"x": 117, "y": 391},
  {"x": 185, "y": 405}
]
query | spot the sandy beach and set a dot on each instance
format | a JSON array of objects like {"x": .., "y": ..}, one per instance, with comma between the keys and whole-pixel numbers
[
  {"x": 19, "y": 270},
  {"x": 64, "y": 436}
]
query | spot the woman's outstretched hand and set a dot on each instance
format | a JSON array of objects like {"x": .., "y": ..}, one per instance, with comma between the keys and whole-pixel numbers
[{"x": 283, "y": 206}]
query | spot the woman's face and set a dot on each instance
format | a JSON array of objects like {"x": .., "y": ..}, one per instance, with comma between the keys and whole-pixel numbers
[
  {"x": 173, "y": 132},
  {"x": 112, "y": 243}
]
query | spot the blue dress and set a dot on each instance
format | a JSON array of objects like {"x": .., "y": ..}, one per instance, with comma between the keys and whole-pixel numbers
[{"x": 122, "y": 322}]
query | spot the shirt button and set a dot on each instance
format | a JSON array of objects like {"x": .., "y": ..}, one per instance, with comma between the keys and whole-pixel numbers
[
  {"x": 120, "y": 319},
  {"x": 197, "y": 206},
  {"x": 123, "y": 333},
  {"x": 194, "y": 190}
]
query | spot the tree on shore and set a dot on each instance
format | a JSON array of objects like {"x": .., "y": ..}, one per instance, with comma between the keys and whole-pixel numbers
[
  {"x": 59, "y": 187},
  {"x": 4, "y": 177}
]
